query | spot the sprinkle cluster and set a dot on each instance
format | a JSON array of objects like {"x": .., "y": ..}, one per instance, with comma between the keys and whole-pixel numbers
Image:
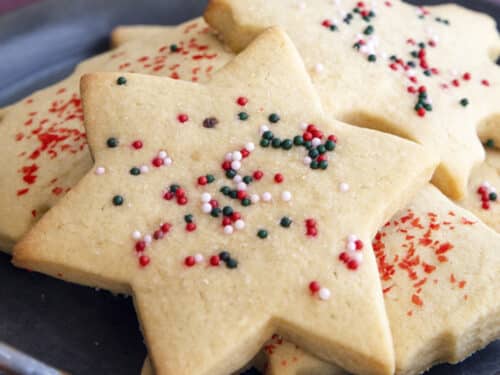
[
  {"x": 488, "y": 195},
  {"x": 352, "y": 257}
]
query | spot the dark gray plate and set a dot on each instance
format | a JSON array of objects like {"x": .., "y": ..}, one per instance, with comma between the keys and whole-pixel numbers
[{"x": 68, "y": 326}]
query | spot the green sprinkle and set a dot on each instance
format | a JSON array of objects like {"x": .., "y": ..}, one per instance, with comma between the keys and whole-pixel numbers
[
  {"x": 121, "y": 81},
  {"x": 268, "y": 135},
  {"x": 264, "y": 142},
  {"x": 369, "y": 30},
  {"x": 248, "y": 180},
  {"x": 225, "y": 190},
  {"x": 372, "y": 58},
  {"x": 313, "y": 154},
  {"x": 276, "y": 143},
  {"x": 210, "y": 178},
  {"x": 286, "y": 144},
  {"x": 233, "y": 194},
  {"x": 428, "y": 73},
  {"x": 134, "y": 171},
  {"x": 418, "y": 106},
  {"x": 372, "y": 13},
  {"x": 321, "y": 149},
  {"x": 333, "y": 27},
  {"x": 112, "y": 142},
  {"x": 428, "y": 107},
  {"x": 188, "y": 218},
  {"x": 323, "y": 164},
  {"x": 118, "y": 200},
  {"x": 246, "y": 202},
  {"x": 274, "y": 118},
  {"x": 393, "y": 57},
  {"x": 262, "y": 233},
  {"x": 356, "y": 45},
  {"x": 411, "y": 63},
  {"x": 215, "y": 212},
  {"x": 490, "y": 143},
  {"x": 298, "y": 140},
  {"x": 230, "y": 173},
  {"x": 227, "y": 211},
  {"x": 232, "y": 263},
  {"x": 174, "y": 48},
  {"x": 285, "y": 222},
  {"x": 414, "y": 53},
  {"x": 464, "y": 102},
  {"x": 314, "y": 164},
  {"x": 330, "y": 145},
  {"x": 493, "y": 196},
  {"x": 308, "y": 144},
  {"x": 243, "y": 116},
  {"x": 174, "y": 187},
  {"x": 421, "y": 45}
]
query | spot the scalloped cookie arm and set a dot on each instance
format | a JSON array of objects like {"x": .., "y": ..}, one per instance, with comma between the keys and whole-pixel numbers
[
  {"x": 237, "y": 33},
  {"x": 124, "y": 34},
  {"x": 264, "y": 61}
]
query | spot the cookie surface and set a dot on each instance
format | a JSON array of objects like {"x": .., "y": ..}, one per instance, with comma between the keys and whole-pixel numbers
[
  {"x": 484, "y": 183},
  {"x": 438, "y": 270},
  {"x": 44, "y": 142},
  {"x": 390, "y": 66},
  {"x": 164, "y": 216}
]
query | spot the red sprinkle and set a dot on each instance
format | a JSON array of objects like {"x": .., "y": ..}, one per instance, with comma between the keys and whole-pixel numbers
[
  {"x": 183, "y": 118},
  {"x": 421, "y": 112},
  {"x": 278, "y": 178},
  {"x": 258, "y": 175},
  {"x": 214, "y": 260},
  {"x": 144, "y": 260},
  {"x": 190, "y": 261},
  {"x": 242, "y": 101},
  {"x": 202, "y": 180},
  {"x": 140, "y": 246},
  {"x": 190, "y": 227},
  {"x": 165, "y": 228},
  {"x": 157, "y": 162},
  {"x": 137, "y": 144},
  {"x": 314, "y": 287}
]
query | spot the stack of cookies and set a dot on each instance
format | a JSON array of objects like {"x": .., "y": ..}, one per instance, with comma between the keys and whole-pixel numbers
[{"x": 304, "y": 184}]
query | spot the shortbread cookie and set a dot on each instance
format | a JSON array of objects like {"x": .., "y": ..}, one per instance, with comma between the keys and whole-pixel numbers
[
  {"x": 42, "y": 137},
  {"x": 439, "y": 269},
  {"x": 208, "y": 201},
  {"x": 484, "y": 185},
  {"x": 125, "y": 34},
  {"x": 390, "y": 66}
]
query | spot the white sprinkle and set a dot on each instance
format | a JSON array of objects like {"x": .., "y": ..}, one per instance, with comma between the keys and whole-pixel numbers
[
  {"x": 344, "y": 187},
  {"x": 324, "y": 294},
  {"x": 162, "y": 154},
  {"x": 319, "y": 68},
  {"x": 316, "y": 142},
  {"x": 239, "y": 224},
  {"x": 411, "y": 73},
  {"x": 236, "y": 165},
  {"x": 303, "y": 125},
  {"x": 351, "y": 246},
  {"x": 254, "y": 198},
  {"x": 206, "y": 208},
  {"x": 237, "y": 179},
  {"x": 266, "y": 197},
  {"x": 358, "y": 257},
  {"x": 250, "y": 146},
  {"x": 307, "y": 160},
  {"x": 286, "y": 196},
  {"x": 228, "y": 156},
  {"x": 144, "y": 169},
  {"x": 352, "y": 238},
  {"x": 100, "y": 171},
  {"x": 198, "y": 258},
  {"x": 486, "y": 184},
  {"x": 136, "y": 235},
  {"x": 148, "y": 239},
  {"x": 301, "y": 6},
  {"x": 263, "y": 129},
  {"x": 241, "y": 186},
  {"x": 167, "y": 161},
  {"x": 228, "y": 229},
  {"x": 205, "y": 197},
  {"x": 237, "y": 155}
]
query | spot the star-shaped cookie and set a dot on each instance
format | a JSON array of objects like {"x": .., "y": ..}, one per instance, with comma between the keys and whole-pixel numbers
[
  {"x": 439, "y": 271},
  {"x": 425, "y": 74},
  {"x": 43, "y": 139},
  {"x": 206, "y": 202}
]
